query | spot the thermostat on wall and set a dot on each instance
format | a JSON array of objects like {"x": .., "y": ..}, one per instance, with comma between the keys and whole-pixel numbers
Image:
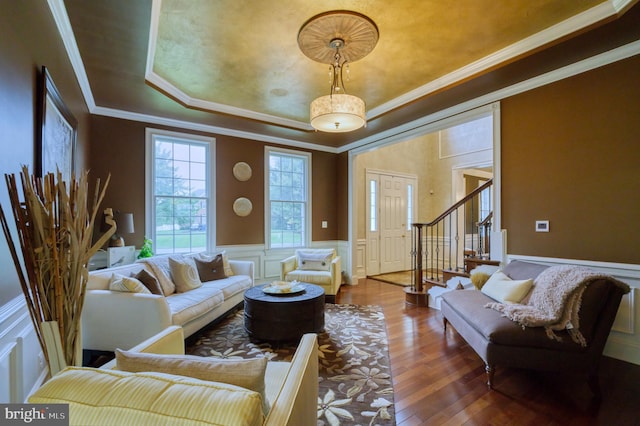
[{"x": 542, "y": 226}]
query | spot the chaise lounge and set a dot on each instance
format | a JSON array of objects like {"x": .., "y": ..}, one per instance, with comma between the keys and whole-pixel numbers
[{"x": 499, "y": 341}]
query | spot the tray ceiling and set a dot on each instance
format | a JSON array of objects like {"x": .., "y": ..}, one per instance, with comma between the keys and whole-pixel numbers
[{"x": 237, "y": 64}]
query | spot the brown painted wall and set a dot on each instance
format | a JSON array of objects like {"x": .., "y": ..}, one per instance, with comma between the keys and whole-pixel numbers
[
  {"x": 233, "y": 229},
  {"x": 571, "y": 155},
  {"x": 28, "y": 40},
  {"x": 570, "y": 151},
  {"x": 118, "y": 148},
  {"x": 325, "y": 200},
  {"x": 342, "y": 194}
]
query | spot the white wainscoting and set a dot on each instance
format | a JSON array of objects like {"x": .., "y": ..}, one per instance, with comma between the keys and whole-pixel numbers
[
  {"x": 22, "y": 368},
  {"x": 267, "y": 262},
  {"x": 624, "y": 340},
  {"x": 360, "y": 269}
]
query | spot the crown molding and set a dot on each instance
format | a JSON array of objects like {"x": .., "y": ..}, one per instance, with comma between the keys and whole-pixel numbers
[
  {"x": 162, "y": 84},
  {"x": 575, "y": 23},
  {"x": 188, "y": 125},
  {"x": 562, "y": 29},
  {"x": 59, "y": 12},
  {"x": 603, "y": 11},
  {"x": 621, "y": 6},
  {"x": 421, "y": 125}
]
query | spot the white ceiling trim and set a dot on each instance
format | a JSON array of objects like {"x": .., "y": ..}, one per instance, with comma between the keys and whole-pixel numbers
[
  {"x": 187, "y": 125},
  {"x": 61, "y": 19},
  {"x": 157, "y": 81},
  {"x": 622, "y": 5},
  {"x": 422, "y": 125},
  {"x": 562, "y": 29},
  {"x": 395, "y": 134},
  {"x": 568, "y": 26},
  {"x": 167, "y": 87}
]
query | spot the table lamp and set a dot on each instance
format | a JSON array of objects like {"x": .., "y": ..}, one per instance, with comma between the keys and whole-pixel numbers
[{"x": 124, "y": 222}]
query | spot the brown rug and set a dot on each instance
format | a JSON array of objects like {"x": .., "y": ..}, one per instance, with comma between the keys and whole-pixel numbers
[{"x": 355, "y": 384}]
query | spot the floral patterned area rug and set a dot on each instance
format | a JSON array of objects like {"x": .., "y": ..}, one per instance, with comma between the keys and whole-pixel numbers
[{"x": 355, "y": 386}]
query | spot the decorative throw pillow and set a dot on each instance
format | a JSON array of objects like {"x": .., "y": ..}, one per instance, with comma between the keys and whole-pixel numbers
[
  {"x": 126, "y": 284},
  {"x": 479, "y": 279},
  {"x": 247, "y": 373},
  {"x": 159, "y": 265},
  {"x": 225, "y": 260},
  {"x": 227, "y": 266},
  {"x": 210, "y": 270},
  {"x": 149, "y": 281},
  {"x": 315, "y": 260},
  {"x": 184, "y": 274},
  {"x": 505, "y": 290}
]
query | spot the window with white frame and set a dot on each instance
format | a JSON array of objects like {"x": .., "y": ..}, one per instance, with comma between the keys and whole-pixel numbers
[
  {"x": 179, "y": 186},
  {"x": 373, "y": 205},
  {"x": 409, "y": 206},
  {"x": 287, "y": 207}
]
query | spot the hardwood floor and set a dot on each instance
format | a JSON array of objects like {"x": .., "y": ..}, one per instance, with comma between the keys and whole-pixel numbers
[{"x": 439, "y": 380}]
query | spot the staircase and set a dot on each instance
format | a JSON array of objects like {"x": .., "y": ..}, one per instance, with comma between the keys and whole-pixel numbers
[{"x": 453, "y": 244}]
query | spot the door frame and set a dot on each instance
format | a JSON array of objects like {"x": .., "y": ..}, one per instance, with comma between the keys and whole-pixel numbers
[
  {"x": 369, "y": 173},
  {"x": 440, "y": 121}
]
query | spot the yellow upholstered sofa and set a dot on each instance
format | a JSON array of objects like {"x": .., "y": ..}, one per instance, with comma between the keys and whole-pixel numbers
[
  {"x": 107, "y": 396},
  {"x": 316, "y": 266}
]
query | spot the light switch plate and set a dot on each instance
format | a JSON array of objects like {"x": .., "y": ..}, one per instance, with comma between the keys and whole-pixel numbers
[
  {"x": 542, "y": 226},
  {"x": 324, "y": 224}
]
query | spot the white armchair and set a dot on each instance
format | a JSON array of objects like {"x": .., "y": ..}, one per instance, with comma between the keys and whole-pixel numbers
[{"x": 316, "y": 266}]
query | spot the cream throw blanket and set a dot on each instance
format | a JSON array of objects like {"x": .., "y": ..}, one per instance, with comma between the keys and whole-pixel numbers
[{"x": 555, "y": 300}]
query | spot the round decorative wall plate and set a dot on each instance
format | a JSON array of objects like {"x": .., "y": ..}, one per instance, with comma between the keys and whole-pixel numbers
[
  {"x": 242, "y": 171},
  {"x": 242, "y": 206}
]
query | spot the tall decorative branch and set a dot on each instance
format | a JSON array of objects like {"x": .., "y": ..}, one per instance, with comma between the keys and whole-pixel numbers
[{"x": 55, "y": 233}]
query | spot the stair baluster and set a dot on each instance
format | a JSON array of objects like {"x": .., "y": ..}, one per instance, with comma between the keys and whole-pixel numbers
[{"x": 440, "y": 248}]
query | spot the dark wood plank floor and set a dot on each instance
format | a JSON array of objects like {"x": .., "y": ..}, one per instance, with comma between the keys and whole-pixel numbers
[{"x": 438, "y": 379}]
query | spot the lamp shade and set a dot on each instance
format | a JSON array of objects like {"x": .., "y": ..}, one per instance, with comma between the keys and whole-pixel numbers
[
  {"x": 125, "y": 223},
  {"x": 337, "y": 113}
]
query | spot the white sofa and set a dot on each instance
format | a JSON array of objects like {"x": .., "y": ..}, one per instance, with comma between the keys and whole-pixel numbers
[
  {"x": 113, "y": 319},
  {"x": 97, "y": 396}
]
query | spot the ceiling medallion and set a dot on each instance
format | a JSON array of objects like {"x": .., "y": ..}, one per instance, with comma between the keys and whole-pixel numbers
[{"x": 338, "y": 38}]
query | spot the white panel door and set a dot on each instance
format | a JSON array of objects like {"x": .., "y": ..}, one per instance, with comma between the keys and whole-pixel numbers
[
  {"x": 388, "y": 235},
  {"x": 393, "y": 223}
]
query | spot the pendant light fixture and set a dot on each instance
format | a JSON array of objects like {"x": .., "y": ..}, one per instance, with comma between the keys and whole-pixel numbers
[{"x": 338, "y": 38}]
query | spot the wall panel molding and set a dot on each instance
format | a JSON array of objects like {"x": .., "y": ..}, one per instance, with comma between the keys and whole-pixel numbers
[
  {"x": 360, "y": 259},
  {"x": 8, "y": 368},
  {"x": 267, "y": 262},
  {"x": 22, "y": 366},
  {"x": 624, "y": 339}
]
